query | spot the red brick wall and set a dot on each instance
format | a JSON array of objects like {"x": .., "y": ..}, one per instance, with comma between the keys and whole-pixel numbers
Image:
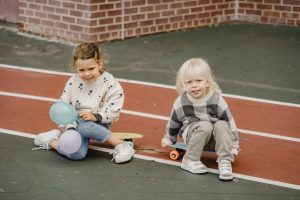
[
  {"x": 276, "y": 12},
  {"x": 102, "y": 20}
]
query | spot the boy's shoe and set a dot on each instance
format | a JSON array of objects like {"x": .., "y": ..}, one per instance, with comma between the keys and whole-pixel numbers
[
  {"x": 123, "y": 152},
  {"x": 195, "y": 167},
  {"x": 225, "y": 170},
  {"x": 43, "y": 140}
]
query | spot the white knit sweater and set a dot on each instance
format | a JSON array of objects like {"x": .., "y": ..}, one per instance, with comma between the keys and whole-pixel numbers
[{"x": 105, "y": 96}]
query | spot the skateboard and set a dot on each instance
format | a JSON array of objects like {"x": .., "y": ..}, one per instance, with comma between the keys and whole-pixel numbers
[
  {"x": 179, "y": 151},
  {"x": 180, "y": 148},
  {"x": 127, "y": 136}
]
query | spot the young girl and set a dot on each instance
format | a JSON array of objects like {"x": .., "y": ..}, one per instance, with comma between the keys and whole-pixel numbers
[
  {"x": 98, "y": 98},
  {"x": 202, "y": 118}
]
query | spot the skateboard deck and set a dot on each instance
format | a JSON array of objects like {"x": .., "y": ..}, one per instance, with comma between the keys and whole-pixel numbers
[{"x": 127, "y": 136}]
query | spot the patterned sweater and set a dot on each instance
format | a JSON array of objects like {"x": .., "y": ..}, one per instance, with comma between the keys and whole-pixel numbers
[
  {"x": 187, "y": 109},
  {"x": 105, "y": 96}
]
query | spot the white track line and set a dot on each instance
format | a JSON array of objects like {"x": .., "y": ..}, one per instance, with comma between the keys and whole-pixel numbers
[
  {"x": 150, "y": 84},
  {"x": 153, "y": 116},
  {"x": 169, "y": 162}
]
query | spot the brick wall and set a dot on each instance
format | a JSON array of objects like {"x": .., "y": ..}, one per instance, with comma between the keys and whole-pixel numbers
[
  {"x": 104, "y": 20},
  {"x": 276, "y": 12}
]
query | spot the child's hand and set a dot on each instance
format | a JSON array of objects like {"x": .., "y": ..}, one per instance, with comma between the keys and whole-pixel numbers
[
  {"x": 235, "y": 150},
  {"x": 165, "y": 142},
  {"x": 87, "y": 116}
]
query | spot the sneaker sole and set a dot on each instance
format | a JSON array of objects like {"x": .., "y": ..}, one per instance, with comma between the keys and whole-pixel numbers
[
  {"x": 122, "y": 161},
  {"x": 204, "y": 171},
  {"x": 226, "y": 178}
]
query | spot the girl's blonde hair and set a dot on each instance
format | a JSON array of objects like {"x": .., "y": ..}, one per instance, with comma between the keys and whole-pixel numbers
[
  {"x": 193, "y": 68},
  {"x": 87, "y": 50}
]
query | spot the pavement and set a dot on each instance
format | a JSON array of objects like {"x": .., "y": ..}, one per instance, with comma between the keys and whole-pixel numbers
[
  {"x": 258, "y": 61},
  {"x": 44, "y": 175}
]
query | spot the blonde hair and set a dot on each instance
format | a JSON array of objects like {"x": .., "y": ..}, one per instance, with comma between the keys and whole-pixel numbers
[
  {"x": 87, "y": 50},
  {"x": 194, "y": 68}
]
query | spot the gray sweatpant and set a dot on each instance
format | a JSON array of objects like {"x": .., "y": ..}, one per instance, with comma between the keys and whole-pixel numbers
[{"x": 208, "y": 136}]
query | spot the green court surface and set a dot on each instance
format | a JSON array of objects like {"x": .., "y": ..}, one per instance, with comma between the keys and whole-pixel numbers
[{"x": 30, "y": 175}]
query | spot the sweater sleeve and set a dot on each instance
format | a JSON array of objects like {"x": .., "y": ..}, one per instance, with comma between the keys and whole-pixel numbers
[
  {"x": 66, "y": 97},
  {"x": 226, "y": 115},
  {"x": 66, "y": 94},
  {"x": 173, "y": 125},
  {"x": 112, "y": 102}
]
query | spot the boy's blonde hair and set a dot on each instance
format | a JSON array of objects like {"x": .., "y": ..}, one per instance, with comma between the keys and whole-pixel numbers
[{"x": 192, "y": 69}]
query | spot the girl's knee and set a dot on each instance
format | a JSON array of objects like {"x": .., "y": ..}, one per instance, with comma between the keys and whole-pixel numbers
[
  {"x": 94, "y": 131},
  {"x": 81, "y": 154},
  {"x": 85, "y": 127}
]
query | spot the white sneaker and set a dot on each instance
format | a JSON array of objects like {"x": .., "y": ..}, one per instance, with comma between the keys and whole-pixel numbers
[
  {"x": 43, "y": 140},
  {"x": 123, "y": 152},
  {"x": 195, "y": 167},
  {"x": 225, "y": 170}
]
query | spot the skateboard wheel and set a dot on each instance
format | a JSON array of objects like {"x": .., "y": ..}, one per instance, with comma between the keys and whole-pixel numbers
[{"x": 174, "y": 155}]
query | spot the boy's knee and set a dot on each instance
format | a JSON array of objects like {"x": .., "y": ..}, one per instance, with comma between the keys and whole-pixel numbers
[
  {"x": 204, "y": 126},
  {"x": 221, "y": 125},
  {"x": 202, "y": 130},
  {"x": 222, "y": 130}
]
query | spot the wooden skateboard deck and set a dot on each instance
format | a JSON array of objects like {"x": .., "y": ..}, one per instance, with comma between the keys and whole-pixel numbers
[{"x": 127, "y": 136}]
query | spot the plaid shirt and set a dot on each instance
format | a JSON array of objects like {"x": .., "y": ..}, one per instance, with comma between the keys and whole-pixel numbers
[{"x": 186, "y": 110}]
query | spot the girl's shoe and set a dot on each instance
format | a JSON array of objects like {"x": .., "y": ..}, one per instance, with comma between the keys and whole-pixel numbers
[
  {"x": 195, "y": 167},
  {"x": 123, "y": 152},
  {"x": 225, "y": 170},
  {"x": 43, "y": 140}
]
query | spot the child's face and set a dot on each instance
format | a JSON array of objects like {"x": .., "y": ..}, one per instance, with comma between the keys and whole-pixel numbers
[
  {"x": 88, "y": 70},
  {"x": 196, "y": 87}
]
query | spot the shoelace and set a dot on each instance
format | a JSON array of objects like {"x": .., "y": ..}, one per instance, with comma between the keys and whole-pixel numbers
[
  {"x": 198, "y": 164},
  {"x": 42, "y": 146},
  {"x": 38, "y": 148},
  {"x": 120, "y": 148},
  {"x": 116, "y": 151},
  {"x": 225, "y": 166}
]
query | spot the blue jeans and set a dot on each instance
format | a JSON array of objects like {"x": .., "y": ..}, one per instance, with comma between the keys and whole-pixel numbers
[{"x": 88, "y": 130}]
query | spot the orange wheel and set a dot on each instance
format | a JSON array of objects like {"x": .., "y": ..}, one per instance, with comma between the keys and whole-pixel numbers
[{"x": 174, "y": 155}]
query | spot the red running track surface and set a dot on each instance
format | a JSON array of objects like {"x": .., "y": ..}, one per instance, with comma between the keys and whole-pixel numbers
[{"x": 264, "y": 157}]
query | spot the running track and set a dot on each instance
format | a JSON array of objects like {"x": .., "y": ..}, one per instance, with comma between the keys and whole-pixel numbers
[{"x": 269, "y": 131}]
